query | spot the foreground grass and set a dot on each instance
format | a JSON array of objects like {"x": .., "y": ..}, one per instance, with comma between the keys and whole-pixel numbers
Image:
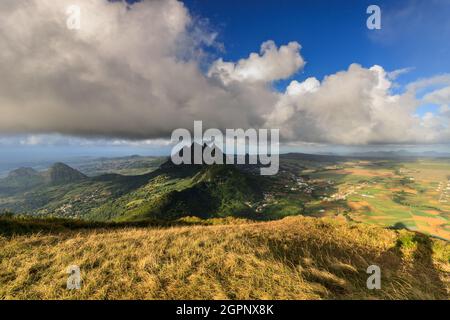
[{"x": 293, "y": 258}]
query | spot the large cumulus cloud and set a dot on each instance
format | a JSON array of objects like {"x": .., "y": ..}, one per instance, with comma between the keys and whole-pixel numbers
[
  {"x": 137, "y": 72},
  {"x": 356, "y": 106},
  {"x": 130, "y": 72}
]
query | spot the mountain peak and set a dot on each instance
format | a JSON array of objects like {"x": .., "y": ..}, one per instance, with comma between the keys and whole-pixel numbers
[
  {"x": 23, "y": 172},
  {"x": 61, "y": 173},
  {"x": 190, "y": 151}
]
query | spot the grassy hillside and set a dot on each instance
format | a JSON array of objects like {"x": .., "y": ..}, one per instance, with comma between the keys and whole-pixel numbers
[{"x": 293, "y": 258}]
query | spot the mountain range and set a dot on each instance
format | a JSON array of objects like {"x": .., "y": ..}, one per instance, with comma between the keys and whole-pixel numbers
[
  {"x": 400, "y": 154},
  {"x": 26, "y": 178},
  {"x": 170, "y": 192}
]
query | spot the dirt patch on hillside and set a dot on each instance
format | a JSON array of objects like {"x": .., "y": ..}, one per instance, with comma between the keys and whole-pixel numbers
[
  {"x": 365, "y": 172},
  {"x": 433, "y": 212},
  {"x": 359, "y": 205},
  {"x": 433, "y": 225}
]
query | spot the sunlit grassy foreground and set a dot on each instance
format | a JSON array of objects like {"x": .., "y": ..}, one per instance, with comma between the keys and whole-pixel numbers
[{"x": 294, "y": 258}]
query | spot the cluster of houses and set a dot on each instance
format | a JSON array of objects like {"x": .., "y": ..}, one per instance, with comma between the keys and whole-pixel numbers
[
  {"x": 72, "y": 208},
  {"x": 344, "y": 194},
  {"x": 302, "y": 185},
  {"x": 268, "y": 197},
  {"x": 445, "y": 191},
  {"x": 65, "y": 210}
]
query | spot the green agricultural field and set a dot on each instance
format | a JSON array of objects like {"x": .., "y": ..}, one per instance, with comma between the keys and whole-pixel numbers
[{"x": 411, "y": 194}]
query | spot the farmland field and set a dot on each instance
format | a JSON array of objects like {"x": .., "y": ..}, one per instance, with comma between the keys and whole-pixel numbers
[{"x": 413, "y": 193}]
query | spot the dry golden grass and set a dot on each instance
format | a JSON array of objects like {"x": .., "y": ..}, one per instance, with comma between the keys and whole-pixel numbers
[{"x": 294, "y": 258}]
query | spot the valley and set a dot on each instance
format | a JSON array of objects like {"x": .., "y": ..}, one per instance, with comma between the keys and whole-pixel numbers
[{"x": 407, "y": 193}]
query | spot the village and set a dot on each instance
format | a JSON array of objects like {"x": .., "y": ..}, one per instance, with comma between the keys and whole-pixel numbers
[{"x": 444, "y": 190}]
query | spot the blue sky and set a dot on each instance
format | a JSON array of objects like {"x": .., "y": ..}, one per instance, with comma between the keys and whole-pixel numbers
[
  {"x": 415, "y": 36},
  {"x": 333, "y": 33}
]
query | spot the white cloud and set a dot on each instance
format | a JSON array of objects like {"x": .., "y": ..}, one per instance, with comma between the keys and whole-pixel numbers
[
  {"x": 297, "y": 88},
  {"x": 271, "y": 64},
  {"x": 136, "y": 73},
  {"x": 440, "y": 96},
  {"x": 127, "y": 73},
  {"x": 54, "y": 140},
  {"x": 392, "y": 75},
  {"x": 354, "y": 107},
  {"x": 435, "y": 81}
]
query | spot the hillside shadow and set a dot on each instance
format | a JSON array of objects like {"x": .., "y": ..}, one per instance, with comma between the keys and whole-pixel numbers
[
  {"x": 10, "y": 226},
  {"x": 325, "y": 266},
  {"x": 342, "y": 270},
  {"x": 424, "y": 267}
]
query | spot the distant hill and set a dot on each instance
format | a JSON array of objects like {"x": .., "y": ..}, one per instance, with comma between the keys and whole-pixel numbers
[
  {"x": 23, "y": 173},
  {"x": 23, "y": 179},
  {"x": 60, "y": 173},
  {"x": 400, "y": 154},
  {"x": 130, "y": 166}
]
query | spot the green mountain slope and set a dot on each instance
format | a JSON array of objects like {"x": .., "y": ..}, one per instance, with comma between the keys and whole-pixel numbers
[
  {"x": 215, "y": 191},
  {"x": 169, "y": 192}
]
